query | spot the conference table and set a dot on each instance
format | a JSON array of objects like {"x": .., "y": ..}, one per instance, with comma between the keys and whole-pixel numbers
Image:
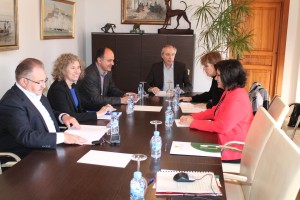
[{"x": 55, "y": 173}]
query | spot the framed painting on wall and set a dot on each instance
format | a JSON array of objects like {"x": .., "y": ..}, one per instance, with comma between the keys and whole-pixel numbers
[
  {"x": 57, "y": 19},
  {"x": 144, "y": 11},
  {"x": 9, "y": 33}
]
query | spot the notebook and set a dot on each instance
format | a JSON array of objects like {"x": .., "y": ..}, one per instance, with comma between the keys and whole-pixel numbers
[{"x": 205, "y": 184}]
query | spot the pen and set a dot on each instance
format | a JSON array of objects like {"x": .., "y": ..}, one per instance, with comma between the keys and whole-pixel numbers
[
  {"x": 166, "y": 145},
  {"x": 150, "y": 181},
  {"x": 208, "y": 146},
  {"x": 108, "y": 142}
]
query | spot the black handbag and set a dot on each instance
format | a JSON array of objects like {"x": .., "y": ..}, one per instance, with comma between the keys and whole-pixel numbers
[{"x": 295, "y": 114}]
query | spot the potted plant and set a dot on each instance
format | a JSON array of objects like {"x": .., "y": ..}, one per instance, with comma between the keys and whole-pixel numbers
[{"x": 222, "y": 27}]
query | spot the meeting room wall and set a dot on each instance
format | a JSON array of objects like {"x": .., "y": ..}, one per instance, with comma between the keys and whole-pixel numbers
[{"x": 91, "y": 15}]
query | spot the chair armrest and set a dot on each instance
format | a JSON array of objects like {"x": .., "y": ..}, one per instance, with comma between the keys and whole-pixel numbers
[{"x": 234, "y": 177}]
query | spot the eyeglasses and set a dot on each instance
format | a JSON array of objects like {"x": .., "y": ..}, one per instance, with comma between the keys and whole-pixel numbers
[{"x": 37, "y": 82}]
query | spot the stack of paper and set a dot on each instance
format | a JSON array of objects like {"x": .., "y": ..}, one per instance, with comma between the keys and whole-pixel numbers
[
  {"x": 190, "y": 108},
  {"x": 147, "y": 108},
  {"x": 205, "y": 184},
  {"x": 89, "y": 132},
  {"x": 195, "y": 149}
]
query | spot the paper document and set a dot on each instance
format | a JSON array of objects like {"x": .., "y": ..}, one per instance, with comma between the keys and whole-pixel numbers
[
  {"x": 162, "y": 94},
  {"x": 147, "y": 108},
  {"x": 177, "y": 121},
  {"x": 106, "y": 158},
  {"x": 190, "y": 108},
  {"x": 195, "y": 149},
  {"x": 205, "y": 184},
  {"x": 107, "y": 116},
  {"x": 89, "y": 132}
]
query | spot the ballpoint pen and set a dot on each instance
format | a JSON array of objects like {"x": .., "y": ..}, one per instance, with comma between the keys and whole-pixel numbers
[
  {"x": 166, "y": 145},
  {"x": 150, "y": 181}
]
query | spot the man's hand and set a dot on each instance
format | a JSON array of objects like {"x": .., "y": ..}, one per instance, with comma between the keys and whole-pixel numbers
[
  {"x": 124, "y": 99},
  {"x": 186, "y": 99},
  {"x": 154, "y": 90},
  {"x": 74, "y": 139},
  {"x": 186, "y": 120},
  {"x": 70, "y": 121}
]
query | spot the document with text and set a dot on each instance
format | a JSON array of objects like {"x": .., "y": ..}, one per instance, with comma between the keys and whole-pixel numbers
[{"x": 190, "y": 108}]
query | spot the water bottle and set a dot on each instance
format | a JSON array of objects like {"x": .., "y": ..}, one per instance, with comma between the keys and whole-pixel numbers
[
  {"x": 169, "y": 117},
  {"x": 155, "y": 144},
  {"x": 175, "y": 103},
  {"x": 140, "y": 91},
  {"x": 114, "y": 124},
  {"x": 130, "y": 105},
  {"x": 177, "y": 91},
  {"x": 137, "y": 186}
]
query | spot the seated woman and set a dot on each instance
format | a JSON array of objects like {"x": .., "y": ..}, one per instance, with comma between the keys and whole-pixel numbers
[
  {"x": 63, "y": 95},
  {"x": 212, "y": 97},
  {"x": 232, "y": 116}
]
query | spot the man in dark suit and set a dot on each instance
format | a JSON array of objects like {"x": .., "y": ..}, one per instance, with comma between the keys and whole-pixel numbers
[
  {"x": 26, "y": 118},
  {"x": 166, "y": 74},
  {"x": 97, "y": 86}
]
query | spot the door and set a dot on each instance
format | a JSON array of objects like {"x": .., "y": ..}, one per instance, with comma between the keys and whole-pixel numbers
[{"x": 264, "y": 63}]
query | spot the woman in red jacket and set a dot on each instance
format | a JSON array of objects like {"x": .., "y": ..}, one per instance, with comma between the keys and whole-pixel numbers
[{"x": 232, "y": 116}]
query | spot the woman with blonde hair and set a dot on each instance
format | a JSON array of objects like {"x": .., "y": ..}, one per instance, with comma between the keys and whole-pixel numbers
[{"x": 63, "y": 95}]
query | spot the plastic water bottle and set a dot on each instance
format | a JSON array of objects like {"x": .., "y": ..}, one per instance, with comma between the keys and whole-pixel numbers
[
  {"x": 177, "y": 91},
  {"x": 155, "y": 144},
  {"x": 137, "y": 186},
  {"x": 175, "y": 103},
  {"x": 114, "y": 123},
  {"x": 169, "y": 117},
  {"x": 140, "y": 91},
  {"x": 130, "y": 105}
]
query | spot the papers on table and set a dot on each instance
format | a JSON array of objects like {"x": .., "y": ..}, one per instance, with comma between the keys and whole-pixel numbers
[
  {"x": 89, "y": 132},
  {"x": 177, "y": 121},
  {"x": 106, "y": 158},
  {"x": 190, "y": 108},
  {"x": 195, "y": 149},
  {"x": 107, "y": 116},
  {"x": 161, "y": 94},
  {"x": 205, "y": 184},
  {"x": 147, "y": 108}
]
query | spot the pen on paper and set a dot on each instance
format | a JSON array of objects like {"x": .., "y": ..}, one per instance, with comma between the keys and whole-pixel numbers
[
  {"x": 150, "y": 181},
  {"x": 209, "y": 146}
]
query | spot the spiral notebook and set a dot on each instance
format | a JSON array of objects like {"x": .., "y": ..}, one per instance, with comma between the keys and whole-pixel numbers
[{"x": 205, "y": 184}]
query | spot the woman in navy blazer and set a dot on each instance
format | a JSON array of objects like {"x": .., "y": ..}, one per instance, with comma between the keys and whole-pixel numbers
[{"x": 63, "y": 95}]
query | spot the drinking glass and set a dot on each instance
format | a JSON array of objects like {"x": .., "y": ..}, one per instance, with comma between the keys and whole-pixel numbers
[
  {"x": 155, "y": 122},
  {"x": 138, "y": 158}
]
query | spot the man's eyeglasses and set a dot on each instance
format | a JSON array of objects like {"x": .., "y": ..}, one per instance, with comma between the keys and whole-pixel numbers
[{"x": 38, "y": 82}]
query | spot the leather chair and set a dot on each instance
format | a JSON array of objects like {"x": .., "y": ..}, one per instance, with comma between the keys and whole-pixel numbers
[
  {"x": 14, "y": 157},
  {"x": 277, "y": 173},
  {"x": 278, "y": 110}
]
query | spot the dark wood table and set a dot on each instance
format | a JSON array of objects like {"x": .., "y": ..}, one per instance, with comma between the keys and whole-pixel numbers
[{"x": 55, "y": 174}]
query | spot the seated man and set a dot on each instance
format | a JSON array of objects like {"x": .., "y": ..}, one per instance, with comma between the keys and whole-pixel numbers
[
  {"x": 166, "y": 74},
  {"x": 26, "y": 118},
  {"x": 97, "y": 86}
]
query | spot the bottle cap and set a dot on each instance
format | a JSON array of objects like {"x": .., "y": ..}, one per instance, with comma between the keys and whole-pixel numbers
[
  {"x": 156, "y": 133},
  {"x": 137, "y": 174},
  {"x": 114, "y": 114},
  {"x": 169, "y": 108}
]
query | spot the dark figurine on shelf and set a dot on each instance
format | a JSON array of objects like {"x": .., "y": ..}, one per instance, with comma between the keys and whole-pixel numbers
[
  {"x": 172, "y": 13},
  {"x": 136, "y": 29},
  {"x": 108, "y": 26}
]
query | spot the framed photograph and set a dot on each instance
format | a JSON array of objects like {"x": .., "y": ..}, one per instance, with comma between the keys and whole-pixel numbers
[
  {"x": 144, "y": 11},
  {"x": 57, "y": 19},
  {"x": 9, "y": 33}
]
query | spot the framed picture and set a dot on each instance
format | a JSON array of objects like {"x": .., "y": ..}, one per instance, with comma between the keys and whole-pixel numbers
[
  {"x": 9, "y": 33},
  {"x": 144, "y": 11},
  {"x": 57, "y": 19}
]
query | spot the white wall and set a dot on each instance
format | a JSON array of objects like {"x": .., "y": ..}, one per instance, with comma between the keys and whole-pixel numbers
[
  {"x": 30, "y": 44},
  {"x": 91, "y": 15}
]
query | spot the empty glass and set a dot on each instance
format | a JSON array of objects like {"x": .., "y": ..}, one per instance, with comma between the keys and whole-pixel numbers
[
  {"x": 138, "y": 158},
  {"x": 155, "y": 122}
]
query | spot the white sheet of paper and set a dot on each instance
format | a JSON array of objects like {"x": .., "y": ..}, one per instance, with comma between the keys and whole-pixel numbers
[
  {"x": 190, "y": 108},
  {"x": 147, "y": 108},
  {"x": 106, "y": 158},
  {"x": 161, "y": 94},
  {"x": 107, "y": 116},
  {"x": 89, "y": 132},
  {"x": 177, "y": 121}
]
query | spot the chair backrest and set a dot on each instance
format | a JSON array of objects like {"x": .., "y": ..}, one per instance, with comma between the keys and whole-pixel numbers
[
  {"x": 258, "y": 135},
  {"x": 278, "y": 110},
  {"x": 278, "y": 172}
]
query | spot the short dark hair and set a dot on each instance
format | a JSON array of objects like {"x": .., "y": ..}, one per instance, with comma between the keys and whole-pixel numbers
[
  {"x": 100, "y": 52},
  {"x": 232, "y": 74},
  {"x": 26, "y": 67}
]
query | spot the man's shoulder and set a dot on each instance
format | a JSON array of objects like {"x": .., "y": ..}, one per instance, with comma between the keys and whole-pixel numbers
[{"x": 14, "y": 94}]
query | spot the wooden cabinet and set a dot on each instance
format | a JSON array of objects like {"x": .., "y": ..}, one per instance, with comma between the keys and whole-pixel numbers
[{"x": 135, "y": 54}]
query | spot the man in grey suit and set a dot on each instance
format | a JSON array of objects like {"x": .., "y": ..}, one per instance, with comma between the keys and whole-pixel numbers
[
  {"x": 97, "y": 86},
  {"x": 166, "y": 74},
  {"x": 26, "y": 118}
]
